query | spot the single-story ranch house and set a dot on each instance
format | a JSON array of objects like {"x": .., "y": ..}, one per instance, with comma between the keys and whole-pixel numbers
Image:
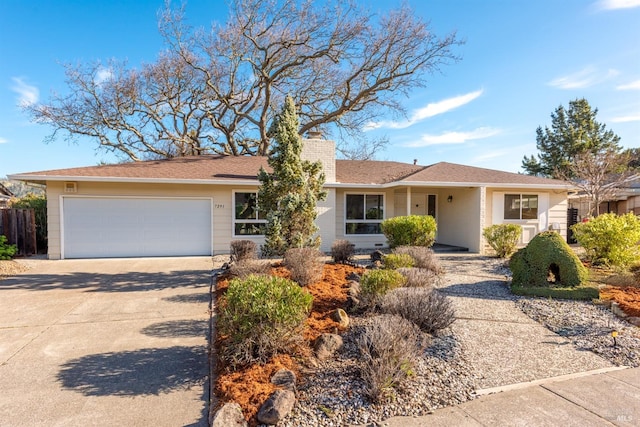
[{"x": 198, "y": 205}]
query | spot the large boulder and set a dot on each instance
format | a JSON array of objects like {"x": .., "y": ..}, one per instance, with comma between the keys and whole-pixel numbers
[
  {"x": 276, "y": 407},
  {"x": 547, "y": 261},
  {"x": 230, "y": 415}
]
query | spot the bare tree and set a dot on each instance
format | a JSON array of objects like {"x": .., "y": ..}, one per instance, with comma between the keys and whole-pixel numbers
[
  {"x": 599, "y": 175},
  {"x": 217, "y": 90}
]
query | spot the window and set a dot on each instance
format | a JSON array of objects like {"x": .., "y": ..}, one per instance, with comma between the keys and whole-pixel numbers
[
  {"x": 520, "y": 206},
  {"x": 364, "y": 213},
  {"x": 247, "y": 221}
]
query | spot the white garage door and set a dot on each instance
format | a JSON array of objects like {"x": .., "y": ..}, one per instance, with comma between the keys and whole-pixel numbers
[{"x": 135, "y": 227}]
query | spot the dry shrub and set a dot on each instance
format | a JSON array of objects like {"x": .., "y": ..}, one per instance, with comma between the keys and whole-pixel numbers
[
  {"x": 423, "y": 257},
  {"x": 419, "y": 277},
  {"x": 305, "y": 265},
  {"x": 242, "y": 250},
  {"x": 248, "y": 267},
  {"x": 426, "y": 308},
  {"x": 389, "y": 347},
  {"x": 342, "y": 252}
]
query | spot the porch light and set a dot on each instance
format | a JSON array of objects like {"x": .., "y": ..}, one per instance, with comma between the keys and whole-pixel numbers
[{"x": 450, "y": 198}]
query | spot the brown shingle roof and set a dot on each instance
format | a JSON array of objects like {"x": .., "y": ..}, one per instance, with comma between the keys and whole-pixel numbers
[
  {"x": 454, "y": 173},
  {"x": 245, "y": 168}
]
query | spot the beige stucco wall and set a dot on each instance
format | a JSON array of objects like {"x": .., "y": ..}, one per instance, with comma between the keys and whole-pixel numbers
[
  {"x": 459, "y": 221},
  {"x": 556, "y": 206},
  {"x": 222, "y": 197}
]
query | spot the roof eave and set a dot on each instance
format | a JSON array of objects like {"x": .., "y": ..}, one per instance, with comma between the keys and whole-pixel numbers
[{"x": 45, "y": 178}]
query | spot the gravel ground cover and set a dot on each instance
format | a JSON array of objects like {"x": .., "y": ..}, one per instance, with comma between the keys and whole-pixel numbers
[{"x": 497, "y": 339}]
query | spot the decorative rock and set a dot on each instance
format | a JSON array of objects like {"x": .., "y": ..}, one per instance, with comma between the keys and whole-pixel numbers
[
  {"x": 353, "y": 277},
  {"x": 285, "y": 379},
  {"x": 615, "y": 309},
  {"x": 635, "y": 321},
  {"x": 376, "y": 256},
  {"x": 326, "y": 345},
  {"x": 354, "y": 288},
  {"x": 341, "y": 317},
  {"x": 230, "y": 415},
  {"x": 276, "y": 407}
]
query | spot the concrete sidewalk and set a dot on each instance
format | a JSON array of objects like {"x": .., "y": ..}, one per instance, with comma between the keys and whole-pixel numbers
[
  {"x": 586, "y": 399},
  {"x": 105, "y": 342}
]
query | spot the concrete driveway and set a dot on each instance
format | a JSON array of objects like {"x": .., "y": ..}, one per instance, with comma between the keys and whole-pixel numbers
[{"x": 105, "y": 342}]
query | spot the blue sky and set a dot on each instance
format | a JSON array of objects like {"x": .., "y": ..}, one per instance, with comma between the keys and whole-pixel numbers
[{"x": 521, "y": 60}]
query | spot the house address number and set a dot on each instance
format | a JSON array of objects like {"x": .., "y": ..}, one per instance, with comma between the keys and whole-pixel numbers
[{"x": 219, "y": 206}]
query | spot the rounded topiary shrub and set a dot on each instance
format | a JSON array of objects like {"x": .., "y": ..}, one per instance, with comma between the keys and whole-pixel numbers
[
  {"x": 547, "y": 261},
  {"x": 412, "y": 230}
]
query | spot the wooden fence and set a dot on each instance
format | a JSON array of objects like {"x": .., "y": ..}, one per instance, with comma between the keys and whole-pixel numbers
[{"x": 19, "y": 225}]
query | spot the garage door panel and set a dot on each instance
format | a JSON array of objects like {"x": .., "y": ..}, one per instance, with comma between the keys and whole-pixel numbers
[{"x": 123, "y": 227}]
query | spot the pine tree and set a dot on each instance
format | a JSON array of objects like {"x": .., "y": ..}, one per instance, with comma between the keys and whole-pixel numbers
[
  {"x": 573, "y": 131},
  {"x": 289, "y": 195}
]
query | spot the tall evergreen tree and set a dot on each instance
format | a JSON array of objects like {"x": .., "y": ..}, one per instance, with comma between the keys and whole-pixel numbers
[
  {"x": 573, "y": 131},
  {"x": 289, "y": 195}
]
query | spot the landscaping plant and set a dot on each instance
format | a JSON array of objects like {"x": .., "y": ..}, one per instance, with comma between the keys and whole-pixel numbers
[
  {"x": 412, "y": 230},
  {"x": 242, "y": 250},
  {"x": 374, "y": 284},
  {"x": 423, "y": 257},
  {"x": 288, "y": 195},
  {"x": 395, "y": 261},
  {"x": 547, "y": 261},
  {"x": 419, "y": 277},
  {"x": 503, "y": 238},
  {"x": 6, "y": 251},
  {"x": 305, "y": 264},
  {"x": 389, "y": 347},
  {"x": 39, "y": 205},
  {"x": 342, "y": 252},
  {"x": 426, "y": 308},
  {"x": 261, "y": 316},
  {"x": 610, "y": 239}
]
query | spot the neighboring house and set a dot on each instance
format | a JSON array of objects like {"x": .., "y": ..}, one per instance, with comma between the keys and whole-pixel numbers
[
  {"x": 198, "y": 205},
  {"x": 625, "y": 200},
  {"x": 5, "y": 196}
]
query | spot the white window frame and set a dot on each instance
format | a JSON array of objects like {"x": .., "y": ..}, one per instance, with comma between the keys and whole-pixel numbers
[
  {"x": 244, "y": 221},
  {"x": 504, "y": 197},
  {"x": 364, "y": 220}
]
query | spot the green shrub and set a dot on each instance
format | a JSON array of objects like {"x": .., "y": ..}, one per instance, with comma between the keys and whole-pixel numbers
[
  {"x": 395, "y": 261},
  {"x": 342, "y": 252},
  {"x": 547, "y": 261},
  {"x": 262, "y": 316},
  {"x": 610, "y": 239},
  {"x": 424, "y": 257},
  {"x": 6, "y": 251},
  {"x": 379, "y": 282},
  {"x": 412, "y": 230},
  {"x": 305, "y": 264},
  {"x": 503, "y": 238},
  {"x": 39, "y": 206},
  {"x": 389, "y": 347}
]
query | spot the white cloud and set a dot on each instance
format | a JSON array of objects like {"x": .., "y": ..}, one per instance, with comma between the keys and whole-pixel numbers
[
  {"x": 454, "y": 137},
  {"x": 616, "y": 4},
  {"x": 27, "y": 94},
  {"x": 586, "y": 77},
  {"x": 102, "y": 75},
  {"x": 630, "y": 86},
  {"x": 430, "y": 110},
  {"x": 625, "y": 119},
  {"x": 3, "y": 140}
]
